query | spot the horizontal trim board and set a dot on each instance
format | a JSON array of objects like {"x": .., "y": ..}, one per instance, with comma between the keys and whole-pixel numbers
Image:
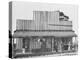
[
  {"x": 44, "y": 30},
  {"x": 59, "y": 25}
]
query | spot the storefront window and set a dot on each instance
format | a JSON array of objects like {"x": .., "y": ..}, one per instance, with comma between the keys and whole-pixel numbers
[
  {"x": 74, "y": 43},
  {"x": 35, "y": 43},
  {"x": 48, "y": 43},
  {"x": 40, "y": 44},
  {"x": 66, "y": 44},
  {"x": 14, "y": 43},
  {"x": 18, "y": 43}
]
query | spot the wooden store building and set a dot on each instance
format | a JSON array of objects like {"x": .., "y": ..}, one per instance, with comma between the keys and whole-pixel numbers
[{"x": 48, "y": 32}]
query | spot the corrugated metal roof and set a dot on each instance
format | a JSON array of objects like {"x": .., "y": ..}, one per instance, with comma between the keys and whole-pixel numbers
[{"x": 44, "y": 33}]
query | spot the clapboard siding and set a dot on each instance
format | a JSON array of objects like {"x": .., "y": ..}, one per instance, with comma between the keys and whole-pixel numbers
[
  {"x": 59, "y": 27},
  {"x": 61, "y": 22}
]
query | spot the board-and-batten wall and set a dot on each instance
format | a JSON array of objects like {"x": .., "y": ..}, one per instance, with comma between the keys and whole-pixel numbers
[{"x": 44, "y": 20}]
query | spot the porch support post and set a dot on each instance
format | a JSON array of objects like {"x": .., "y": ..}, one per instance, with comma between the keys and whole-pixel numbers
[
  {"x": 76, "y": 47},
  {"x": 23, "y": 49},
  {"x": 30, "y": 48},
  {"x": 52, "y": 44},
  {"x": 60, "y": 45},
  {"x": 69, "y": 44},
  {"x": 12, "y": 42}
]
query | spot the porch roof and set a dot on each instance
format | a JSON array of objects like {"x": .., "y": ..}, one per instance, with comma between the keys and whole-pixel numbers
[{"x": 44, "y": 33}]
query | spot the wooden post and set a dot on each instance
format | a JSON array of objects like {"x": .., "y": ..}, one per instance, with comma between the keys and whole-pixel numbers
[
  {"x": 76, "y": 47},
  {"x": 52, "y": 44},
  {"x": 23, "y": 50},
  {"x": 13, "y": 53},
  {"x": 69, "y": 46},
  {"x": 30, "y": 46},
  {"x": 60, "y": 47}
]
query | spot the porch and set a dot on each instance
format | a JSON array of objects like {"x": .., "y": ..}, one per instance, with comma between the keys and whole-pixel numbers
[{"x": 31, "y": 44}]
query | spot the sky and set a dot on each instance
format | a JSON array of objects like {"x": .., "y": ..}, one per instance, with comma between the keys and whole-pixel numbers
[{"x": 24, "y": 10}]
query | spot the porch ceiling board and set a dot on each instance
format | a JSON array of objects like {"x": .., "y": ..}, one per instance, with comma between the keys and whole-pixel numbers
[{"x": 45, "y": 33}]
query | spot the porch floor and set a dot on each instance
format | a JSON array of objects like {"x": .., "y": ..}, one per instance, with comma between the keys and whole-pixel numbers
[{"x": 29, "y": 54}]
